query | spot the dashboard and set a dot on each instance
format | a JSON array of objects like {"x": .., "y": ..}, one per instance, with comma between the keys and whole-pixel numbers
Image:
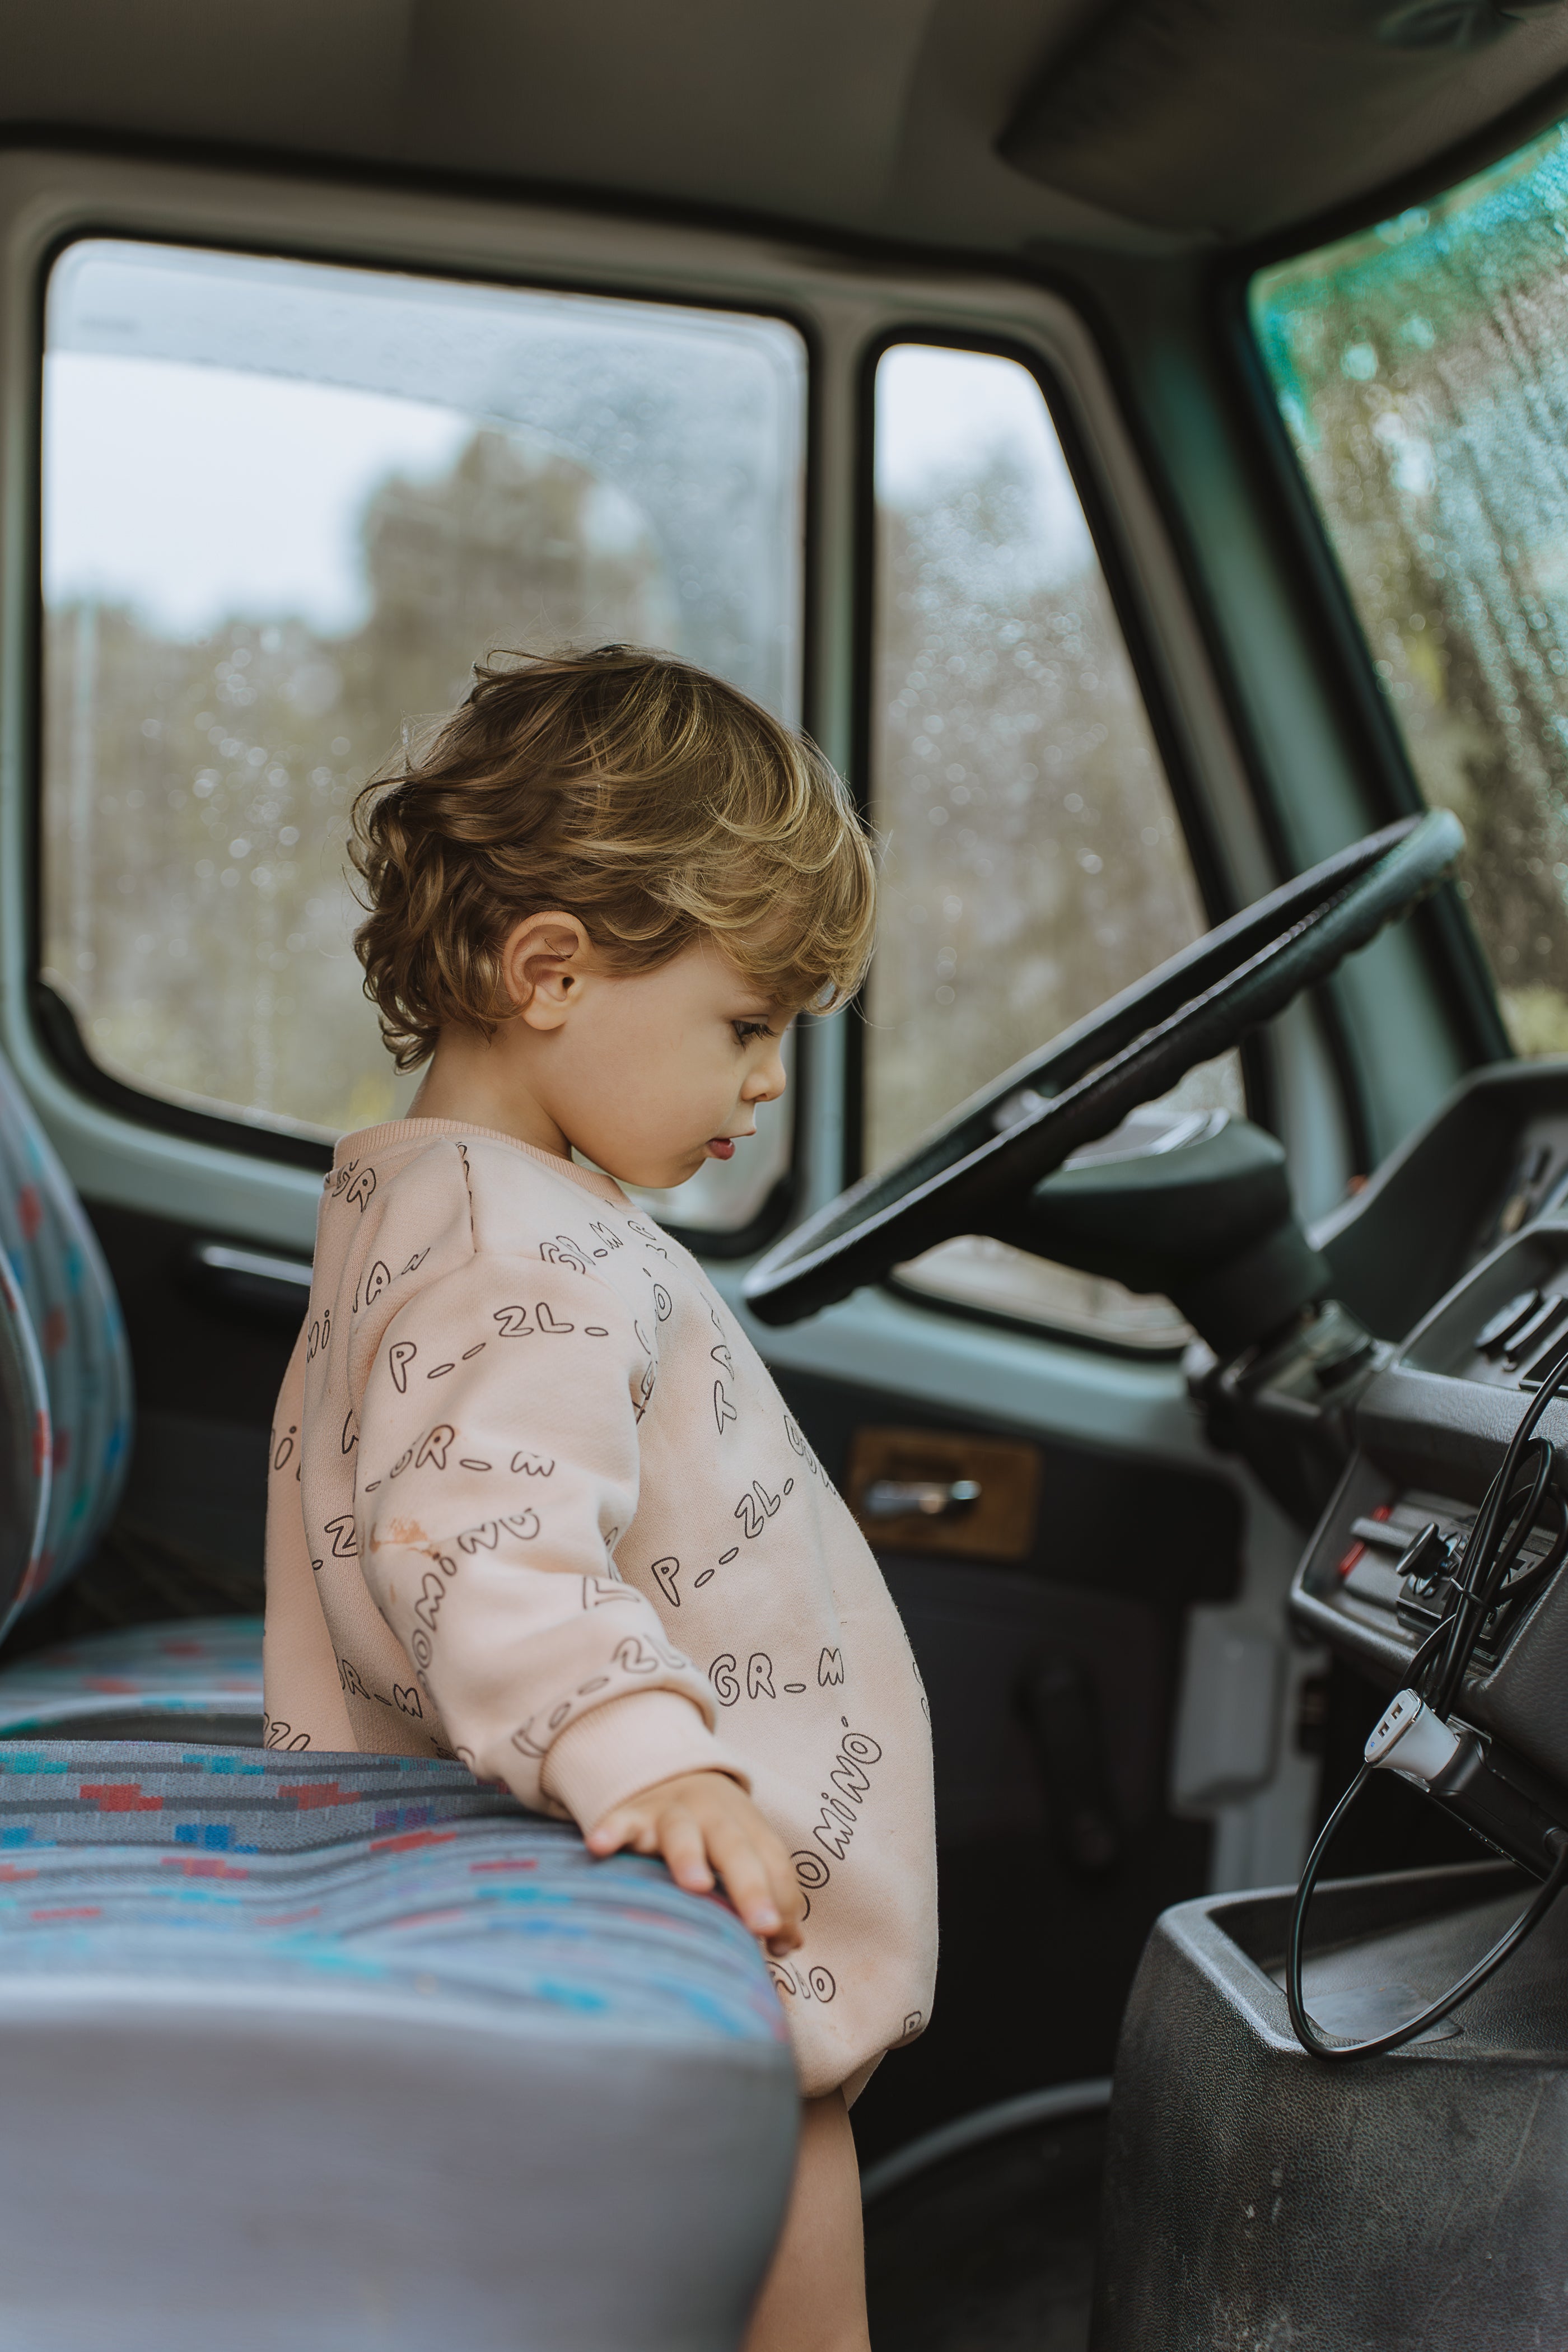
[{"x": 1478, "y": 1201}]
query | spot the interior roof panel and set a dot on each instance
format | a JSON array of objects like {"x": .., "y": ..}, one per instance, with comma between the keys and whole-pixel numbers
[
  {"x": 1233, "y": 118},
  {"x": 875, "y": 117},
  {"x": 991, "y": 125}
]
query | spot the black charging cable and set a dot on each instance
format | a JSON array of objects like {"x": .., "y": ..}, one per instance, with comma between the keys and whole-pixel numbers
[
  {"x": 1488, "y": 1575},
  {"x": 1307, "y": 2032},
  {"x": 1485, "y": 1566},
  {"x": 1515, "y": 1593}
]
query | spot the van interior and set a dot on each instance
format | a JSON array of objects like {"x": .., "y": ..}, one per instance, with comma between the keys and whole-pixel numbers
[{"x": 1128, "y": 435}]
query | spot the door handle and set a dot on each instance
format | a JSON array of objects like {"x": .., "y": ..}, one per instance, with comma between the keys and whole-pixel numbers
[
  {"x": 952, "y": 1492},
  {"x": 933, "y": 1498},
  {"x": 275, "y": 1287}
]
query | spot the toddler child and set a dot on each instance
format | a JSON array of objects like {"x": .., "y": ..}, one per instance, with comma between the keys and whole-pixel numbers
[{"x": 543, "y": 1508}]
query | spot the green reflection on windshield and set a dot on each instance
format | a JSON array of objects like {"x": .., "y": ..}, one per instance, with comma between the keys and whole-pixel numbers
[{"x": 1421, "y": 368}]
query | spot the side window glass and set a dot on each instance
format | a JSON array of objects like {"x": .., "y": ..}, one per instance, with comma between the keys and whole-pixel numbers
[
  {"x": 1034, "y": 863},
  {"x": 1421, "y": 368},
  {"x": 287, "y": 507}
]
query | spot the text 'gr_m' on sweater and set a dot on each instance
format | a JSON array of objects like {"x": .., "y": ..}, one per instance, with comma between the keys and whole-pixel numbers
[{"x": 536, "y": 1503}]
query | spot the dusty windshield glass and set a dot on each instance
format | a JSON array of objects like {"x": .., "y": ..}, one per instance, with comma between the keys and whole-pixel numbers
[
  {"x": 1032, "y": 860},
  {"x": 286, "y": 508},
  {"x": 1422, "y": 372}
]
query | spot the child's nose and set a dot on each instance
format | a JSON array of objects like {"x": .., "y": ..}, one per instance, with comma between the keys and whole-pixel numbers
[{"x": 767, "y": 1082}]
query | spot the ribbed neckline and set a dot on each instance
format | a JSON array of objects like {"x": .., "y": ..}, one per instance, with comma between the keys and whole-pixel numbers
[{"x": 414, "y": 1130}]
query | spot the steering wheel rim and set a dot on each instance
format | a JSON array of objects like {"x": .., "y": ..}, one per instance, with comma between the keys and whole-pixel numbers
[{"x": 1134, "y": 1048}]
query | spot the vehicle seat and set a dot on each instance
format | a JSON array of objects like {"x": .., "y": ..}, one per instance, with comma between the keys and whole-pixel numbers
[
  {"x": 198, "y": 1678},
  {"x": 65, "y": 1408},
  {"x": 353, "y": 2052},
  {"x": 64, "y": 1368},
  {"x": 343, "y": 2051}
]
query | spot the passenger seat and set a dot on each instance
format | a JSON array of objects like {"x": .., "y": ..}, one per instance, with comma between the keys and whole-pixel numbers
[{"x": 314, "y": 2048}]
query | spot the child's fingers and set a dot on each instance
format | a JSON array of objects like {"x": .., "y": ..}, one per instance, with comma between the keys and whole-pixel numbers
[
  {"x": 749, "y": 1885},
  {"x": 787, "y": 1892},
  {"x": 618, "y": 1829},
  {"x": 792, "y": 1907},
  {"x": 685, "y": 1850},
  {"x": 785, "y": 1888},
  {"x": 631, "y": 1825},
  {"x": 636, "y": 1826}
]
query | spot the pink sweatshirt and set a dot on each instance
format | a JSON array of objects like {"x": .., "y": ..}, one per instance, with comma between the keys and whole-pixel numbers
[{"x": 536, "y": 1503}]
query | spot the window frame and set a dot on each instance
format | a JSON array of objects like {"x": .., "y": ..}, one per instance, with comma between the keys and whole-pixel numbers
[{"x": 847, "y": 308}]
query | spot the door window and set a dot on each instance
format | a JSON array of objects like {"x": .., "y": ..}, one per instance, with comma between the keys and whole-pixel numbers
[
  {"x": 286, "y": 508},
  {"x": 1034, "y": 862},
  {"x": 1421, "y": 368}
]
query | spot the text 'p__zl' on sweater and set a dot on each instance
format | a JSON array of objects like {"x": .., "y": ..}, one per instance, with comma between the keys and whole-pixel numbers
[{"x": 535, "y": 1502}]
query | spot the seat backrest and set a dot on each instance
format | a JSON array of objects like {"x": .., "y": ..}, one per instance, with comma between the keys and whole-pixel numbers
[
  {"x": 26, "y": 1445},
  {"x": 66, "y": 1393}
]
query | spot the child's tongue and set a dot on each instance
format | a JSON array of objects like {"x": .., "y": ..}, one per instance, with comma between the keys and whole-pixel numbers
[{"x": 722, "y": 1147}]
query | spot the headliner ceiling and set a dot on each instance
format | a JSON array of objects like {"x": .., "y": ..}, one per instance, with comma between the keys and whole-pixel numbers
[
  {"x": 1139, "y": 123},
  {"x": 1233, "y": 117}
]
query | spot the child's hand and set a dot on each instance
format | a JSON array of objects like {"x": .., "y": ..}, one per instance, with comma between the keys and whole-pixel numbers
[{"x": 704, "y": 1822}]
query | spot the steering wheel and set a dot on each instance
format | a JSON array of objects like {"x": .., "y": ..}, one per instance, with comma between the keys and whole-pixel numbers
[{"x": 1200, "y": 1003}]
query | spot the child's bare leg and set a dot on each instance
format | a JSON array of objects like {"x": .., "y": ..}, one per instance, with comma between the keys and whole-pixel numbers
[{"x": 814, "y": 2298}]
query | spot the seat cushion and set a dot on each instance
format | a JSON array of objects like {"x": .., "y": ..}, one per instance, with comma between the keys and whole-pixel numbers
[
  {"x": 353, "y": 2052},
  {"x": 196, "y": 1678}
]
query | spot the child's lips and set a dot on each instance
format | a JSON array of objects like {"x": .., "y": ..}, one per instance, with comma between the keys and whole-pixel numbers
[{"x": 722, "y": 1147}]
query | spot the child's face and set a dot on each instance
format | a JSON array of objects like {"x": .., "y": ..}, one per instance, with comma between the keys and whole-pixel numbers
[{"x": 652, "y": 1074}]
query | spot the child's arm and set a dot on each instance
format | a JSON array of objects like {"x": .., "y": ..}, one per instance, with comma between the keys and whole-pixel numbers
[{"x": 497, "y": 1461}]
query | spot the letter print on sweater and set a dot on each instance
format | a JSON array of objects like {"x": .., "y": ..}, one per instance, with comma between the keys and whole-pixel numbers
[{"x": 530, "y": 1446}]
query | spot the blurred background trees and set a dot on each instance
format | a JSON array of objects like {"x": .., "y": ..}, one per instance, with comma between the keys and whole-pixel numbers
[
  {"x": 198, "y": 911},
  {"x": 198, "y": 908},
  {"x": 1034, "y": 863}
]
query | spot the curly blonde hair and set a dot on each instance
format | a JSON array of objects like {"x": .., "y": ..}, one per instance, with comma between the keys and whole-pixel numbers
[{"x": 654, "y": 802}]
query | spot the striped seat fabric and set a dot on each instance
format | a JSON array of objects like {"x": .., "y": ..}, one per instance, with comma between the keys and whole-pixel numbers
[
  {"x": 193, "y": 1678},
  {"x": 353, "y": 2052}
]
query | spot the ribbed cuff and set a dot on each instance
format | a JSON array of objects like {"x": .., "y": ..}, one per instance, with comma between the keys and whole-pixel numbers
[{"x": 627, "y": 1745}]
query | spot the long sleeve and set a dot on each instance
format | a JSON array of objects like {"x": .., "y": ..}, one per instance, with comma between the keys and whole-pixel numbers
[
  {"x": 541, "y": 1472},
  {"x": 498, "y": 1467}
]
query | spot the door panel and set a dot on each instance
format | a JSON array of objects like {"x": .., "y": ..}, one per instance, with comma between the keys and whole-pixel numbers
[{"x": 1052, "y": 1688}]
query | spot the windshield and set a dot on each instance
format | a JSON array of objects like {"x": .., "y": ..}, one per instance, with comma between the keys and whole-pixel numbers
[{"x": 1422, "y": 372}]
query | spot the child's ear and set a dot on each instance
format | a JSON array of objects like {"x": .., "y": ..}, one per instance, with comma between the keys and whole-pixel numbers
[{"x": 542, "y": 965}]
